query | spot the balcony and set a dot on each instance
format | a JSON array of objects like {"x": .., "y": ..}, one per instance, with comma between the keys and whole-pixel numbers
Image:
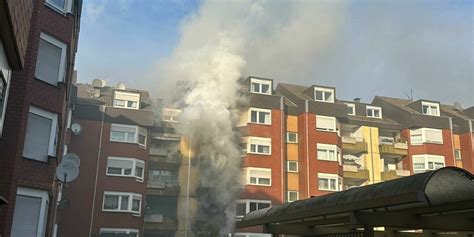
[
  {"x": 396, "y": 149},
  {"x": 355, "y": 173},
  {"x": 160, "y": 222},
  {"x": 394, "y": 174},
  {"x": 165, "y": 156},
  {"x": 162, "y": 188},
  {"x": 354, "y": 145}
]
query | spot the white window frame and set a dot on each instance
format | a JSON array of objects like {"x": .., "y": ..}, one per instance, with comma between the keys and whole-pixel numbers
[
  {"x": 287, "y": 140},
  {"x": 36, "y": 193},
  {"x": 350, "y": 105},
  {"x": 126, "y": 93},
  {"x": 325, "y": 129},
  {"x": 288, "y": 194},
  {"x": 458, "y": 152},
  {"x": 373, "y": 108},
  {"x": 258, "y": 110},
  {"x": 134, "y": 167},
  {"x": 287, "y": 168},
  {"x": 120, "y": 230},
  {"x": 54, "y": 129},
  {"x": 175, "y": 113},
  {"x": 422, "y": 132},
  {"x": 5, "y": 77},
  {"x": 138, "y": 130},
  {"x": 248, "y": 234},
  {"x": 328, "y": 148},
  {"x": 261, "y": 82},
  {"x": 131, "y": 197},
  {"x": 248, "y": 178},
  {"x": 324, "y": 90},
  {"x": 66, "y": 9},
  {"x": 264, "y": 140},
  {"x": 247, "y": 204},
  {"x": 430, "y": 105},
  {"x": 329, "y": 177},
  {"x": 427, "y": 159},
  {"x": 62, "y": 63}
]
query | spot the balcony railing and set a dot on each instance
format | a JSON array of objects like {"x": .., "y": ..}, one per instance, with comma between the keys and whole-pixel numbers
[
  {"x": 354, "y": 145},
  {"x": 395, "y": 149},
  {"x": 154, "y": 218},
  {"x": 394, "y": 174},
  {"x": 355, "y": 173},
  {"x": 165, "y": 156},
  {"x": 156, "y": 188},
  {"x": 161, "y": 184}
]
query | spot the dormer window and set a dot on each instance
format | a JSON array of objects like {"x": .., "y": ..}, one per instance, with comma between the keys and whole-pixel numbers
[
  {"x": 429, "y": 108},
  {"x": 171, "y": 115},
  {"x": 324, "y": 94},
  {"x": 127, "y": 100},
  {"x": 260, "y": 86},
  {"x": 374, "y": 112},
  {"x": 350, "y": 109}
]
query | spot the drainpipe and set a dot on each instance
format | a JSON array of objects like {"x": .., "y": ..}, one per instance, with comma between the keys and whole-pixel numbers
[
  {"x": 102, "y": 110},
  {"x": 452, "y": 139},
  {"x": 282, "y": 144},
  {"x": 187, "y": 192},
  {"x": 307, "y": 145},
  {"x": 372, "y": 155}
]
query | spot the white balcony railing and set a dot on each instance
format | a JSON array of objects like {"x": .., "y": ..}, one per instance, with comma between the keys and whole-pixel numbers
[
  {"x": 401, "y": 145},
  {"x": 351, "y": 139},
  {"x": 350, "y": 168},
  {"x": 403, "y": 173}
]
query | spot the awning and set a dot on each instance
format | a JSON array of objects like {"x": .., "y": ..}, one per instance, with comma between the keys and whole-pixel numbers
[{"x": 441, "y": 200}]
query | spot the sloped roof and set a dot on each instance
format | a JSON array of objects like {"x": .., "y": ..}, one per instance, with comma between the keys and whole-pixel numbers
[{"x": 85, "y": 95}]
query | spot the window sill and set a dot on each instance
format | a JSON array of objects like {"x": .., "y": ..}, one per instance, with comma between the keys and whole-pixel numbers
[
  {"x": 258, "y": 93},
  {"x": 328, "y": 190},
  {"x": 263, "y": 185},
  {"x": 290, "y": 171},
  {"x": 327, "y": 160},
  {"x": 322, "y": 130},
  {"x": 125, "y": 176},
  {"x": 287, "y": 142},
  {"x": 262, "y": 154},
  {"x": 267, "y": 124},
  {"x": 39, "y": 161},
  {"x": 329, "y": 102}
]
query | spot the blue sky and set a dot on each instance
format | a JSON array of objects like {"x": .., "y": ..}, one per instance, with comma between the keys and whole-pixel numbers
[{"x": 383, "y": 48}]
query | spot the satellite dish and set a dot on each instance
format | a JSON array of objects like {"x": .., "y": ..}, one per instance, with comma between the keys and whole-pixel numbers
[
  {"x": 72, "y": 157},
  {"x": 76, "y": 128},
  {"x": 458, "y": 106},
  {"x": 98, "y": 83},
  {"x": 120, "y": 86},
  {"x": 67, "y": 171}
]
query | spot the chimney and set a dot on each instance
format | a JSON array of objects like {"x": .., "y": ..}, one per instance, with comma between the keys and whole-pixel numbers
[{"x": 357, "y": 100}]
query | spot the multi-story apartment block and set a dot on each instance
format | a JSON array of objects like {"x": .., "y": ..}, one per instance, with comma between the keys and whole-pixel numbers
[
  {"x": 38, "y": 42},
  {"x": 429, "y": 134},
  {"x": 111, "y": 137}
]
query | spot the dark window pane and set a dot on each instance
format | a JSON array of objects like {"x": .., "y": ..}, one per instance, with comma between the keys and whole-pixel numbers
[
  {"x": 240, "y": 209},
  {"x": 253, "y": 116}
]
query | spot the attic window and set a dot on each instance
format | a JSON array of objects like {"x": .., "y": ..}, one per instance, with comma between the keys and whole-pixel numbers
[
  {"x": 374, "y": 112},
  {"x": 324, "y": 94},
  {"x": 260, "y": 86},
  {"x": 126, "y": 100},
  {"x": 429, "y": 108}
]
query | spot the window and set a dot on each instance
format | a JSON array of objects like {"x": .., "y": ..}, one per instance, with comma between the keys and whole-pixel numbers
[
  {"x": 259, "y": 176},
  {"x": 4, "y": 85},
  {"x": 374, "y": 112},
  {"x": 292, "y": 196},
  {"x": 422, "y": 163},
  {"x": 171, "y": 115},
  {"x": 31, "y": 213},
  {"x": 291, "y": 137},
  {"x": 259, "y": 145},
  {"x": 122, "y": 202},
  {"x": 291, "y": 166},
  {"x": 324, "y": 94},
  {"x": 325, "y": 123},
  {"x": 246, "y": 205},
  {"x": 261, "y": 116},
  {"x": 387, "y": 140},
  {"x": 429, "y": 108},
  {"x": 51, "y": 60},
  {"x": 328, "y": 152},
  {"x": 164, "y": 177},
  {"x": 260, "y": 86},
  {"x": 61, "y": 6},
  {"x": 128, "y": 134},
  {"x": 116, "y": 232},
  {"x": 426, "y": 135},
  {"x": 328, "y": 182},
  {"x": 126, "y": 167},
  {"x": 41, "y": 133},
  {"x": 126, "y": 100},
  {"x": 239, "y": 234},
  {"x": 457, "y": 154},
  {"x": 350, "y": 109}
]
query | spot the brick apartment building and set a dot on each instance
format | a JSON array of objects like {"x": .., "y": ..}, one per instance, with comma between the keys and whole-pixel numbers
[
  {"x": 296, "y": 141},
  {"x": 37, "y": 53},
  {"x": 112, "y": 141}
]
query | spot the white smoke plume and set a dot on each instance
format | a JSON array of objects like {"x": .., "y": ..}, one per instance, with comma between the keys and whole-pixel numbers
[{"x": 221, "y": 43}]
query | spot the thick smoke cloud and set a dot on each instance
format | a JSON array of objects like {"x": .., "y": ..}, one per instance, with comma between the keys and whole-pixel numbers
[{"x": 363, "y": 48}]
